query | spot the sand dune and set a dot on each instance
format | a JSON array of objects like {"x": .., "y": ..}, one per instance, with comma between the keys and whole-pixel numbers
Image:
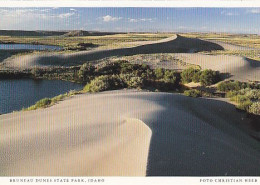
[
  {"x": 113, "y": 133},
  {"x": 235, "y": 67},
  {"x": 232, "y": 47},
  {"x": 174, "y": 44}
]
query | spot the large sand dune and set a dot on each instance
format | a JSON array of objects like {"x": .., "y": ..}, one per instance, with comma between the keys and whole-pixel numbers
[
  {"x": 113, "y": 133},
  {"x": 174, "y": 44}
]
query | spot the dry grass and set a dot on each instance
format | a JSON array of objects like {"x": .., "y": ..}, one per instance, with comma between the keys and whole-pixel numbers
[
  {"x": 248, "y": 40},
  {"x": 116, "y": 40}
]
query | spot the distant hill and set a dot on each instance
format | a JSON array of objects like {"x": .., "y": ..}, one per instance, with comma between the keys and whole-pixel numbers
[
  {"x": 30, "y": 33},
  {"x": 78, "y": 33},
  {"x": 75, "y": 33}
]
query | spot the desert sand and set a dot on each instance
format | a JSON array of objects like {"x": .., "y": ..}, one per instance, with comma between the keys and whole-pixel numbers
[{"x": 128, "y": 133}]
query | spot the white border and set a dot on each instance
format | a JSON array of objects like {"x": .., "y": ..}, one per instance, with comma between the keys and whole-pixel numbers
[
  {"x": 127, "y": 3},
  {"x": 132, "y": 180}
]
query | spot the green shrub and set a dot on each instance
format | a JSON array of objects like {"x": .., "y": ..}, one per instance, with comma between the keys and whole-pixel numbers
[
  {"x": 103, "y": 83},
  {"x": 196, "y": 77},
  {"x": 132, "y": 81},
  {"x": 85, "y": 71},
  {"x": 58, "y": 98},
  {"x": 192, "y": 93},
  {"x": 255, "y": 108},
  {"x": 253, "y": 94},
  {"x": 111, "y": 68},
  {"x": 40, "y": 104},
  {"x": 187, "y": 75},
  {"x": 169, "y": 76},
  {"x": 159, "y": 73},
  {"x": 236, "y": 86},
  {"x": 36, "y": 72},
  {"x": 244, "y": 105},
  {"x": 241, "y": 98},
  {"x": 231, "y": 94},
  {"x": 43, "y": 102},
  {"x": 209, "y": 77},
  {"x": 128, "y": 68}
]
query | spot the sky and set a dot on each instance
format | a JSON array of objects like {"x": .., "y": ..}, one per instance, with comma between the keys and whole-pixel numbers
[{"x": 232, "y": 20}]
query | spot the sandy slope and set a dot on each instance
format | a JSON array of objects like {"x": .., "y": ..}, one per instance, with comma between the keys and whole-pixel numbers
[
  {"x": 232, "y": 47},
  {"x": 174, "y": 44},
  {"x": 105, "y": 134},
  {"x": 236, "y": 67}
]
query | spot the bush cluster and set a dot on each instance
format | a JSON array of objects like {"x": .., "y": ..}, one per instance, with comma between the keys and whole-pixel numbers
[
  {"x": 206, "y": 77},
  {"x": 132, "y": 81},
  {"x": 85, "y": 72},
  {"x": 131, "y": 76},
  {"x": 236, "y": 86},
  {"x": 105, "y": 82},
  {"x": 247, "y": 99},
  {"x": 188, "y": 74},
  {"x": 192, "y": 93},
  {"x": 165, "y": 79},
  {"x": 255, "y": 108}
]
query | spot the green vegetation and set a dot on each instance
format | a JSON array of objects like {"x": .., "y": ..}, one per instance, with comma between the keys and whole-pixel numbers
[
  {"x": 14, "y": 74},
  {"x": 103, "y": 83},
  {"x": 206, "y": 77},
  {"x": 40, "y": 104},
  {"x": 255, "y": 108},
  {"x": 46, "y": 102},
  {"x": 85, "y": 72},
  {"x": 209, "y": 77},
  {"x": 187, "y": 74},
  {"x": 192, "y": 93},
  {"x": 122, "y": 74},
  {"x": 132, "y": 81},
  {"x": 245, "y": 95},
  {"x": 236, "y": 85}
]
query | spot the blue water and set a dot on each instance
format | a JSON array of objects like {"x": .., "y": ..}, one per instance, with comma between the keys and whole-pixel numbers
[
  {"x": 29, "y": 47},
  {"x": 16, "y": 94}
]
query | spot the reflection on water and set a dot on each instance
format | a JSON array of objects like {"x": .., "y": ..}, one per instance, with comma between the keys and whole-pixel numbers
[
  {"x": 28, "y": 47},
  {"x": 16, "y": 94}
]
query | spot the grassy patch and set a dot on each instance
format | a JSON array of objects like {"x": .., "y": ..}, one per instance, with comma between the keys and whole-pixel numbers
[
  {"x": 192, "y": 93},
  {"x": 245, "y": 95},
  {"x": 46, "y": 102},
  {"x": 206, "y": 77}
]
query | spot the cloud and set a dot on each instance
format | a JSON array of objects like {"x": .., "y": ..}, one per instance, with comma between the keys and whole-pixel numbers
[
  {"x": 141, "y": 20},
  {"x": 229, "y": 13},
  {"x": 109, "y": 18},
  {"x": 133, "y": 20},
  {"x": 65, "y": 15},
  {"x": 35, "y": 18},
  {"x": 25, "y": 14}
]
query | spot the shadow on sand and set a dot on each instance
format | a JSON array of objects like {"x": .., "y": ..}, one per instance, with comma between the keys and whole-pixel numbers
[{"x": 200, "y": 137}]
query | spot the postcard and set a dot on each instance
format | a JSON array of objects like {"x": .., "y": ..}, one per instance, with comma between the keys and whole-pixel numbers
[{"x": 128, "y": 93}]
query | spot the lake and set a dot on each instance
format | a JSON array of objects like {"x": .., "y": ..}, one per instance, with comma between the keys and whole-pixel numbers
[
  {"x": 30, "y": 47},
  {"x": 16, "y": 94}
]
